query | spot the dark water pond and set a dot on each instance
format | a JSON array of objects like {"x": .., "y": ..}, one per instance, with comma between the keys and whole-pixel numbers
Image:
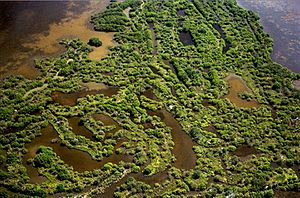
[
  {"x": 223, "y": 36},
  {"x": 245, "y": 152},
  {"x": 281, "y": 19},
  {"x": 211, "y": 128},
  {"x": 186, "y": 38},
  {"x": 149, "y": 94},
  {"x": 180, "y": 12},
  {"x": 171, "y": 65}
]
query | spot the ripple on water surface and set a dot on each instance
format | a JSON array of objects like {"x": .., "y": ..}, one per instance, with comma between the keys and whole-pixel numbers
[{"x": 281, "y": 19}]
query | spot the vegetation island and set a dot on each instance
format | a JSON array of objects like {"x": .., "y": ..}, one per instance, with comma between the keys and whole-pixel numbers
[{"x": 187, "y": 103}]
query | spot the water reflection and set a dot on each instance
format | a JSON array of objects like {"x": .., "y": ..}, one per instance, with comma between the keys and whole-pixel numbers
[
  {"x": 23, "y": 38},
  {"x": 281, "y": 20}
]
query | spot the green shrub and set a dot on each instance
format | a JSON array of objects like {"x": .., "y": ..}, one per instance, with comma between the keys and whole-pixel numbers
[{"x": 96, "y": 42}]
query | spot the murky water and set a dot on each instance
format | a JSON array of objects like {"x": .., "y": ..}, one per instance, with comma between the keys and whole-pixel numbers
[
  {"x": 149, "y": 94},
  {"x": 245, "y": 152},
  {"x": 183, "y": 148},
  {"x": 236, "y": 86},
  {"x": 223, "y": 36},
  {"x": 171, "y": 66},
  {"x": 70, "y": 99},
  {"x": 211, "y": 128},
  {"x": 281, "y": 19},
  {"x": 151, "y": 180},
  {"x": 18, "y": 23},
  {"x": 107, "y": 121},
  {"x": 180, "y": 12},
  {"x": 288, "y": 194},
  {"x": 154, "y": 41},
  {"x": 78, "y": 128},
  {"x": 79, "y": 160},
  {"x": 24, "y": 38},
  {"x": 186, "y": 38}
]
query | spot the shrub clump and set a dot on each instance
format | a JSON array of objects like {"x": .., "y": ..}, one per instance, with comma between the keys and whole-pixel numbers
[{"x": 96, "y": 42}]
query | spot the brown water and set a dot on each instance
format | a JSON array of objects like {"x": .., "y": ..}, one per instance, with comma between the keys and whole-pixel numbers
[
  {"x": 151, "y": 180},
  {"x": 26, "y": 38},
  {"x": 70, "y": 99},
  {"x": 211, "y": 128},
  {"x": 171, "y": 66},
  {"x": 148, "y": 125},
  {"x": 206, "y": 103},
  {"x": 281, "y": 19},
  {"x": 107, "y": 121},
  {"x": 288, "y": 194},
  {"x": 154, "y": 41},
  {"x": 93, "y": 86},
  {"x": 149, "y": 94},
  {"x": 183, "y": 148},
  {"x": 236, "y": 86},
  {"x": 245, "y": 152},
  {"x": 183, "y": 151},
  {"x": 79, "y": 160},
  {"x": 78, "y": 128}
]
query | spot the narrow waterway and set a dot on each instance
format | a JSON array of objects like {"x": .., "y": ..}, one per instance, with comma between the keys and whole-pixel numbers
[
  {"x": 154, "y": 41},
  {"x": 79, "y": 160},
  {"x": 183, "y": 144},
  {"x": 70, "y": 99}
]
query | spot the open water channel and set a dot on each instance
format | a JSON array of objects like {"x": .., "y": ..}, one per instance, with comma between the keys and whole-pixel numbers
[{"x": 24, "y": 38}]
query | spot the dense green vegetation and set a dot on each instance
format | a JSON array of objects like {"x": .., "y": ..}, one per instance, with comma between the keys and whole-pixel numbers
[
  {"x": 95, "y": 42},
  {"x": 187, "y": 81}
]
